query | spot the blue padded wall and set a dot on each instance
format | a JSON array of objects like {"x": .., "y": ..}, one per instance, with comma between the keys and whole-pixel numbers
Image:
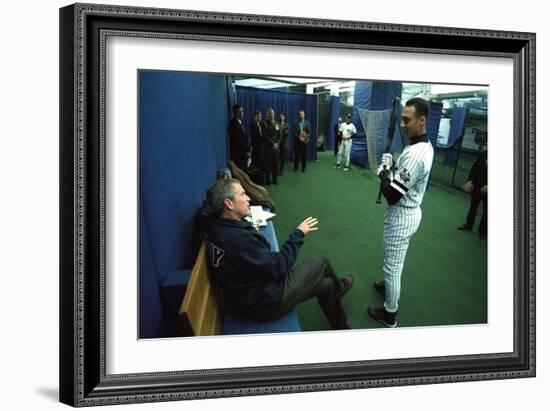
[
  {"x": 434, "y": 119},
  {"x": 183, "y": 120},
  {"x": 149, "y": 286},
  {"x": 370, "y": 95},
  {"x": 334, "y": 113},
  {"x": 256, "y": 99}
]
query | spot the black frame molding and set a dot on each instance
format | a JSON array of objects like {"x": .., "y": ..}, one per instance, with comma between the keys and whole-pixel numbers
[{"x": 83, "y": 28}]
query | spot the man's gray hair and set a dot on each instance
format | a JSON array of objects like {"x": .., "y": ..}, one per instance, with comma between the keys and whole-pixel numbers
[{"x": 219, "y": 191}]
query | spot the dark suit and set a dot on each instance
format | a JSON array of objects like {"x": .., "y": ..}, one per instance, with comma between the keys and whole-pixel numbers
[
  {"x": 337, "y": 137},
  {"x": 300, "y": 148},
  {"x": 256, "y": 133},
  {"x": 478, "y": 176},
  {"x": 239, "y": 144},
  {"x": 272, "y": 138},
  {"x": 283, "y": 149}
]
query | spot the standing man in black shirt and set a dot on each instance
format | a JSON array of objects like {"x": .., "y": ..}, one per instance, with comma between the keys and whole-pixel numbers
[
  {"x": 283, "y": 148},
  {"x": 256, "y": 132},
  {"x": 239, "y": 142},
  {"x": 477, "y": 187},
  {"x": 272, "y": 139}
]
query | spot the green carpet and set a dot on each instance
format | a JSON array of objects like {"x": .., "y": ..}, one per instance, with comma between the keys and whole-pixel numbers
[{"x": 444, "y": 280}]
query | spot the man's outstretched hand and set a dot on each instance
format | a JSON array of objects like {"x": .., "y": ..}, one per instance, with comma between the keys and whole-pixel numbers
[{"x": 308, "y": 225}]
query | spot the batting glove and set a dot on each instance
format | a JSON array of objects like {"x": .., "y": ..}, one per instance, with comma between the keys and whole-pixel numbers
[{"x": 387, "y": 160}]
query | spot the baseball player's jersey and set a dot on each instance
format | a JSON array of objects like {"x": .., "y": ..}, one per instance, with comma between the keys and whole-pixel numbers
[
  {"x": 348, "y": 130},
  {"x": 411, "y": 172}
]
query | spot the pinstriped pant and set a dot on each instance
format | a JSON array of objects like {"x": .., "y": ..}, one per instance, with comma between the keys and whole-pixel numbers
[{"x": 400, "y": 223}]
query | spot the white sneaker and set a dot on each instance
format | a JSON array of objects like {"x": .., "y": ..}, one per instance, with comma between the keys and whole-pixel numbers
[{"x": 346, "y": 168}]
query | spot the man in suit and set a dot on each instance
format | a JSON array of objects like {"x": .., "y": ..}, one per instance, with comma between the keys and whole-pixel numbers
[
  {"x": 272, "y": 139},
  {"x": 283, "y": 148},
  {"x": 256, "y": 132},
  {"x": 477, "y": 187},
  {"x": 337, "y": 135},
  {"x": 301, "y": 130},
  {"x": 239, "y": 143}
]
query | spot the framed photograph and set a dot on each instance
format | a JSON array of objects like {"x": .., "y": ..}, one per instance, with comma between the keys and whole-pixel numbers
[{"x": 147, "y": 99}]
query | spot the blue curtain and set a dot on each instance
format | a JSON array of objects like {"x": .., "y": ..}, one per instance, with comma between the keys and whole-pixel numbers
[
  {"x": 334, "y": 113},
  {"x": 458, "y": 123},
  {"x": 370, "y": 95},
  {"x": 256, "y": 99},
  {"x": 434, "y": 119},
  {"x": 183, "y": 120}
]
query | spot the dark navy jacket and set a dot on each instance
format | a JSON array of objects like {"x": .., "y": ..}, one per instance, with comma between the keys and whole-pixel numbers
[{"x": 241, "y": 262}]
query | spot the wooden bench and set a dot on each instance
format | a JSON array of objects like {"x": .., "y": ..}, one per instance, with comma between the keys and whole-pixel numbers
[
  {"x": 200, "y": 308},
  {"x": 203, "y": 314}
]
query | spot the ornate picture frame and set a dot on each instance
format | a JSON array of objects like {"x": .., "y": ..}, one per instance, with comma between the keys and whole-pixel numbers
[{"x": 84, "y": 380}]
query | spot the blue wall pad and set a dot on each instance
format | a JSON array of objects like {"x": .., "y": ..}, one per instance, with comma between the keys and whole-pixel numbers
[
  {"x": 370, "y": 95},
  {"x": 434, "y": 118},
  {"x": 256, "y": 99},
  {"x": 334, "y": 113},
  {"x": 183, "y": 120}
]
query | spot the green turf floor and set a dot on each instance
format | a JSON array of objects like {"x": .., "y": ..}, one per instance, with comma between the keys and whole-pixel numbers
[{"x": 444, "y": 280}]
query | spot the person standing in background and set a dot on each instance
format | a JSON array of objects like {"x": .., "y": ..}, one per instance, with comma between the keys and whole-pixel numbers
[
  {"x": 239, "y": 142},
  {"x": 283, "y": 148},
  {"x": 301, "y": 130},
  {"x": 337, "y": 135},
  {"x": 272, "y": 139},
  {"x": 256, "y": 132},
  {"x": 477, "y": 187},
  {"x": 348, "y": 131}
]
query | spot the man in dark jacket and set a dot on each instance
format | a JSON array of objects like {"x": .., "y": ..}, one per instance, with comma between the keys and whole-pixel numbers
[
  {"x": 239, "y": 143},
  {"x": 301, "y": 130},
  {"x": 477, "y": 187},
  {"x": 272, "y": 140},
  {"x": 283, "y": 148},
  {"x": 258, "y": 283},
  {"x": 257, "y": 137}
]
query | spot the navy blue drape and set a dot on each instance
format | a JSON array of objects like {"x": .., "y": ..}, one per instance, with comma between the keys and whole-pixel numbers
[
  {"x": 256, "y": 99},
  {"x": 370, "y": 95},
  {"x": 434, "y": 119},
  {"x": 183, "y": 120},
  {"x": 334, "y": 113}
]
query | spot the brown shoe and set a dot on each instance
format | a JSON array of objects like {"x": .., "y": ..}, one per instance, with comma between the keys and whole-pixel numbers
[{"x": 347, "y": 283}]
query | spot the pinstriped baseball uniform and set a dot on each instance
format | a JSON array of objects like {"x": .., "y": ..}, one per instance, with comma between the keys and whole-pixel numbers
[{"x": 401, "y": 220}]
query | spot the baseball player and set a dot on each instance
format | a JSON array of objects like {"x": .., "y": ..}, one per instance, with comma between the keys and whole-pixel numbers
[
  {"x": 403, "y": 186},
  {"x": 348, "y": 131}
]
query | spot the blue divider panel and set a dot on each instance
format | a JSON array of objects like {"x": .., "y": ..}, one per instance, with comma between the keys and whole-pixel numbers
[
  {"x": 334, "y": 113},
  {"x": 256, "y": 99},
  {"x": 370, "y": 95},
  {"x": 183, "y": 121},
  {"x": 434, "y": 118},
  {"x": 150, "y": 312}
]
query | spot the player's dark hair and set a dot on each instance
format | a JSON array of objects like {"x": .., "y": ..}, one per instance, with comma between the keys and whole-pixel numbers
[
  {"x": 236, "y": 107},
  {"x": 420, "y": 105},
  {"x": 257, "y": 112}
]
